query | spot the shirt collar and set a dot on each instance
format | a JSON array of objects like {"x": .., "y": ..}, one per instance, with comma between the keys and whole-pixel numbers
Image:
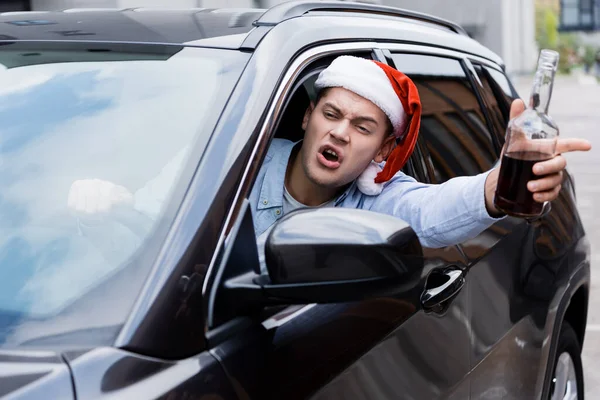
[
  {"x": 345, "y": 194},
  {"x": 271, "y": 192}
]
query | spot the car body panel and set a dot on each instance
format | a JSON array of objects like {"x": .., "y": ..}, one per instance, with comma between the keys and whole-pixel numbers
[
  {"x": 375, "y": 348},
  {"x": 103, "y": 373},
  {"x": 319, "y": 28},
  {"x": 34, "y": 374},
  {"x": 518, "y": 270},
  {"x": 129, "y": 25},
  {"x": 226, "y": 28}
]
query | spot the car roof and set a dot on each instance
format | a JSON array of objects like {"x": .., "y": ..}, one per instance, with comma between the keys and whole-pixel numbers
[
  {"x": 137, "y": 25},
  {"x": 232, "y": 28}
]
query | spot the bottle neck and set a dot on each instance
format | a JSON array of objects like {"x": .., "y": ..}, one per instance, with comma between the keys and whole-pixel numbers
[{"x": 542, "y": 90}]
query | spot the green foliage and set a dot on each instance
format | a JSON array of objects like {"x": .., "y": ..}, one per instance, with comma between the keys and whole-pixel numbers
[
  {"x": 551, "y": 25},
  {"x": 589, "y": 55},
  {"x": 548, "y": 37},
  {"x": 567, "y": 48},
  {"x": 546, "y": 28}
]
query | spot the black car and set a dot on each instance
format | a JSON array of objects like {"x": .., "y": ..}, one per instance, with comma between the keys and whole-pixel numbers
[{"x": 176, "y": 307}]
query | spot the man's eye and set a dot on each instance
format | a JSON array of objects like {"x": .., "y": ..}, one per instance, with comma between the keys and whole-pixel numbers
[
  {"x": 363, "y": 129},
  {"x": 329, "y": 115}
]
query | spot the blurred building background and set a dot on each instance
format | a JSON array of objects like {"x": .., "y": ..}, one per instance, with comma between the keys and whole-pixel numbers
[{"x": 514, "y": 29}]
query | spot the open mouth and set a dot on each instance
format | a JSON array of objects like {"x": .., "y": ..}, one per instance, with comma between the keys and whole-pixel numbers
[{"x": 330, "y": 155}]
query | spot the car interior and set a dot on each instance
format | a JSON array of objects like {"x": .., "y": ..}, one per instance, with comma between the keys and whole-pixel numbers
[
  {"x": 289, "y": 125},
  {"x": 290, "y": 122}
]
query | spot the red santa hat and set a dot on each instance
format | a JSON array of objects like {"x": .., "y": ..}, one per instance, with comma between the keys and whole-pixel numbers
[{"x": 395, "y": 94}]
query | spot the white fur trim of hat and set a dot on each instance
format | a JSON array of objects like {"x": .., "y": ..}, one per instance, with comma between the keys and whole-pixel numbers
[{"x": 367, "y": 80}]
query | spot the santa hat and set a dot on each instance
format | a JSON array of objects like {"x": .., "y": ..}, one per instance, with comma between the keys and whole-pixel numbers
[{"x": 395, "y": 94}]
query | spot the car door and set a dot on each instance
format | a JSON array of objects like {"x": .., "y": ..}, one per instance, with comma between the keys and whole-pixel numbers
[
  {"x": 462, "y": 130},
  {"x": 382, "y": 347},
  {"x": 517, "y": 271},
  {"x": 459, "y": 137},
  {"x": 506, "y": 341}
]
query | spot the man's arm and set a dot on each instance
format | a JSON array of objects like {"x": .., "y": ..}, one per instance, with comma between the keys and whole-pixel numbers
[
  {"x": 463, "y": 207},
  {"x": 441, "y": 215}
]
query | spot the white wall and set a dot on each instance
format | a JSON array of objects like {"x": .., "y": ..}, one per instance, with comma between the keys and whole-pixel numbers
[
  {"x": 518, "y": 28},
  {"x": 507, "y": 27}
]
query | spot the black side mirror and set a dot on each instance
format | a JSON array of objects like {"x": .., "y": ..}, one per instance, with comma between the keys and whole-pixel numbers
[
  {"x": 338, "y": 254},
  {"x": 326, "y": 255},
  {"x": 333, "y": 244}
]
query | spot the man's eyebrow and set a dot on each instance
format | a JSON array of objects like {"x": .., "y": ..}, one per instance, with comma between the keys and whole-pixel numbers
[
  {"x": 367, "y": 119},
  {"x": 331, "y": 105},
  {"x": 363, "y": 118}
]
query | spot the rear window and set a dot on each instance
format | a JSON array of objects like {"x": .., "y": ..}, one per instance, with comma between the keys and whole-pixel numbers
[{"x": 454, "y": 131}]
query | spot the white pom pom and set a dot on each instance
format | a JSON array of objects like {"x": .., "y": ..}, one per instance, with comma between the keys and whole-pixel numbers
[{"x": 366, "y": 180}]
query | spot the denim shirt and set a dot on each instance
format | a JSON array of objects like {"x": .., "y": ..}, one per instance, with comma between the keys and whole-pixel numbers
[{"x": 441, "y": 215}]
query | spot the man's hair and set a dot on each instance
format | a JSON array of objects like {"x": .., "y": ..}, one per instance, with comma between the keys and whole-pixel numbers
[{"x": 389, "y": 128}]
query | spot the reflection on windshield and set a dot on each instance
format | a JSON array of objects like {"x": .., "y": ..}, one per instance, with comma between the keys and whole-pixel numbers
[{"x": 65, "y": 117}]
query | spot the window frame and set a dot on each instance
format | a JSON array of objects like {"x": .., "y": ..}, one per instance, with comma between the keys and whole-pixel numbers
[
  {"x": 500, "y": 99},
  {"x": 465, "y": 61},
  {"x": 280, "y": 97}
]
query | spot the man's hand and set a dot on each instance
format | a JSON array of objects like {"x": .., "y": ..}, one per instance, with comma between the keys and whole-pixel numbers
[
  {"x": 548, "y": 187},
  {"x": 93, "y": 196}
]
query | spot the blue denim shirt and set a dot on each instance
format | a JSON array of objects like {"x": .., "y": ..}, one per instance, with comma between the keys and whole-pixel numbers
[{"x": 441, "y": 215}]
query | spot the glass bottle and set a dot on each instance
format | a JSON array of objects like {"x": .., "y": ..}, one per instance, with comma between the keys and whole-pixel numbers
[{"x": 530, "y": 138}]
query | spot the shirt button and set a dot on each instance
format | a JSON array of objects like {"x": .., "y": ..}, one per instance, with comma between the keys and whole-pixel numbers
[
  {"x": 277, "y": 212},
  {"x": 265, "y": 202}
]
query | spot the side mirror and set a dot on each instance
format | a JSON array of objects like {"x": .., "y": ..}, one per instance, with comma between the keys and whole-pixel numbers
[
  {"x": 327, "y": 255},
  {"x": 339, "y": 254}
]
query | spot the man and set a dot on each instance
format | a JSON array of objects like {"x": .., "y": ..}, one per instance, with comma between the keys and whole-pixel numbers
[{"x": 349, "y": 158}]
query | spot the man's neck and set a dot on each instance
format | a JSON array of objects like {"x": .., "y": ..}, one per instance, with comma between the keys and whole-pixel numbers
[{"x": 301, "y": 188}]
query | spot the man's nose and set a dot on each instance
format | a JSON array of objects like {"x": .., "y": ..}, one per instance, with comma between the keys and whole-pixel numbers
[{"x": 340, "y": 131}]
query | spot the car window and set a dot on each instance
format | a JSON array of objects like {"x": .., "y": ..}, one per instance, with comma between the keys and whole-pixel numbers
[
  {"x": 127, "y": 115},
  {"x": 498, "y": 95},
  {"x": 453, "y": 127}
]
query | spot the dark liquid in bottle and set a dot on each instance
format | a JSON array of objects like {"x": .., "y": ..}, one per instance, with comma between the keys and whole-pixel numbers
[{"x": 512, "y": 195}]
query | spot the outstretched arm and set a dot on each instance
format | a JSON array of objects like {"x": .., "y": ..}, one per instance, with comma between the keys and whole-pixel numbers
[{"x": 463, "y": 207}]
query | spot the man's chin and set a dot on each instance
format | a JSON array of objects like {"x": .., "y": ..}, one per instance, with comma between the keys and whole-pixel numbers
[{"x": 326, "y": 180}]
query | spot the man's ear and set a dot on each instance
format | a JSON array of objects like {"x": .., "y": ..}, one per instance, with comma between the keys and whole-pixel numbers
[
  {"x": 386, "y": 148},
  {"x": 307, "y": 115}
]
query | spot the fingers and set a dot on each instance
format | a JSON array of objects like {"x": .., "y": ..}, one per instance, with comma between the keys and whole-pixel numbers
[
  {"x": 572, "y": 144},
  {"x": 551, "y": 166},
  {"x": 516, "y": 108},
  {"x": 548, "y": 187},
  {"x": 547, "y": 183},
  {"x": 563, "y": 145},
  {"x": 548, "y": 195}
]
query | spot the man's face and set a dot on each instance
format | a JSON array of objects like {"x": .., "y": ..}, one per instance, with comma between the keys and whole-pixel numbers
[{"x": 343, "y": 133}]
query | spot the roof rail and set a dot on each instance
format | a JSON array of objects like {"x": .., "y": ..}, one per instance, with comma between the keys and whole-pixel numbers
[{"x": 292, "y": 9}]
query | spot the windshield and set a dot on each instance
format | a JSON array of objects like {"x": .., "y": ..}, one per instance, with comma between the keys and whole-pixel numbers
[{"x": 93, "y": 142}]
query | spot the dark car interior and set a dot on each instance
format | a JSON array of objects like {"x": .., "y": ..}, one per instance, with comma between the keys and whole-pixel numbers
[{"x": 289, "y": 125}]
